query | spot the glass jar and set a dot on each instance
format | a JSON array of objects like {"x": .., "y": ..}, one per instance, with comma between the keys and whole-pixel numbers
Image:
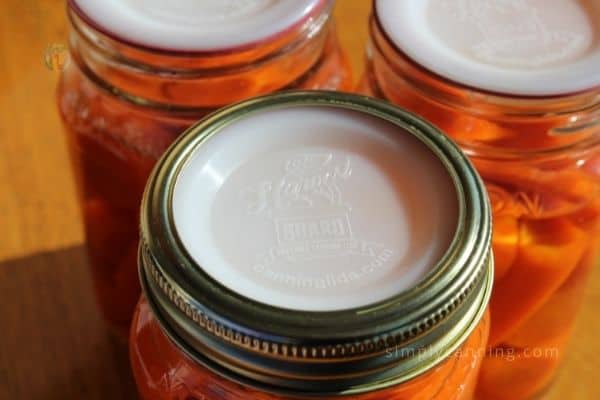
[
  {"x": 124, "y": 101},
  {"x": 538, "y": 151},
  {"x": 312, "y": 245}
]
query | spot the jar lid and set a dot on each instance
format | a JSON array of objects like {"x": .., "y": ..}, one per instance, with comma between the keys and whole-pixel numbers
[
  {"x": 299, "y": 236},
  {"x": 193, "y": 25},
  {"x": 525, "y": 47}
]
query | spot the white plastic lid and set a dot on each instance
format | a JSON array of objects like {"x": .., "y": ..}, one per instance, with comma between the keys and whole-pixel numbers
[
  {"x": 315, "y": 208},
  {"x": 521, "y": 47},
  {"x": 196, "y": 25}
]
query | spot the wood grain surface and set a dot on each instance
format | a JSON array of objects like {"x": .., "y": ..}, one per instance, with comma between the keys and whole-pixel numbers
[{"x": 53, "y": 344}]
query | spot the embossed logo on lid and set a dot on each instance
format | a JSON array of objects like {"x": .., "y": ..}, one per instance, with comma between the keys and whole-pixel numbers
[
  {"x": 513, "y": 32},
  {"x": 314, "y": 209}
]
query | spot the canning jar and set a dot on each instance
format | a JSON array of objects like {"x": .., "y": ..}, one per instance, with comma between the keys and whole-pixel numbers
[
  {"x": 312, "y": 244},
  {"x": 139, "y": 76},
  {"x": 519, "y": 90}
]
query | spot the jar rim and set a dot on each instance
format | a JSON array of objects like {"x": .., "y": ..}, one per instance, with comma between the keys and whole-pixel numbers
[
  {"x": 440, "y": 61},
  {"x": 108, "y": 35}
]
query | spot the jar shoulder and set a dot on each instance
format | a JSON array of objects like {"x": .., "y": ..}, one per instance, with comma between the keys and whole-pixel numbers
[
  {"x": 163, "y": 372},
  {"x": 91, "y": 112}
]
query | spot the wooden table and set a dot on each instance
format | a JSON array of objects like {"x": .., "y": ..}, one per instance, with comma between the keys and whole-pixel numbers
[{"x": 53, "y": 344}]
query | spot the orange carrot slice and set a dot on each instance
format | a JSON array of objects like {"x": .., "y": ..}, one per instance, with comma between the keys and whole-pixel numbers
[
  {"x": 511, "y": 374},
  {"x": 468, "y": 129},
  {"x": 551, "y": 325},
  {"x": 109, "y": 232},
  {"x": 548, "y": 252},
  {"x": 505, "y": 240},
  {"x": 126, "y": 290}
]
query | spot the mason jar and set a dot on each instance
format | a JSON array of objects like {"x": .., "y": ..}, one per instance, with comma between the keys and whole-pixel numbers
[
  {"x": 312, "y": 245},
  {"x": 139, "y": 76},
  {"x": 517, "y": 86}
]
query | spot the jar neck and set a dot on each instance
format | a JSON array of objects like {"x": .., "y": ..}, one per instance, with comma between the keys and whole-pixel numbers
[
  {"x": 576, "y": 116},
  {"x": 198, "y": 81}
]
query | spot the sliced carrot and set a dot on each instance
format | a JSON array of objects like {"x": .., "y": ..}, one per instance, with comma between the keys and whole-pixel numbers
[
  {"x": 548, "y": 252},
  {"x": 505, "y": 242},
  {"x": 111, "y": 238},
  {"x": 107, "y": 171},
  {"x": 109, "y": 232},
  {"x": 509, "y": 373},
  {"x": 465, "y": 128},
  {"x": 592, "y": 164},
  {"x": 462, "y": 381},
  {"x": 534, "y": 134},
  {"x": 551, "y": 325},
  {"x": 151, "y": 355},
  {"x": 588, "y": 218},
  {"x": 125, "y": 291}
]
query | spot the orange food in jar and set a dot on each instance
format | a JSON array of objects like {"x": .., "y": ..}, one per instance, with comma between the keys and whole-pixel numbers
[
  {"x": 162, "y": 371},
  {"x": 124, "y": 99}
]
